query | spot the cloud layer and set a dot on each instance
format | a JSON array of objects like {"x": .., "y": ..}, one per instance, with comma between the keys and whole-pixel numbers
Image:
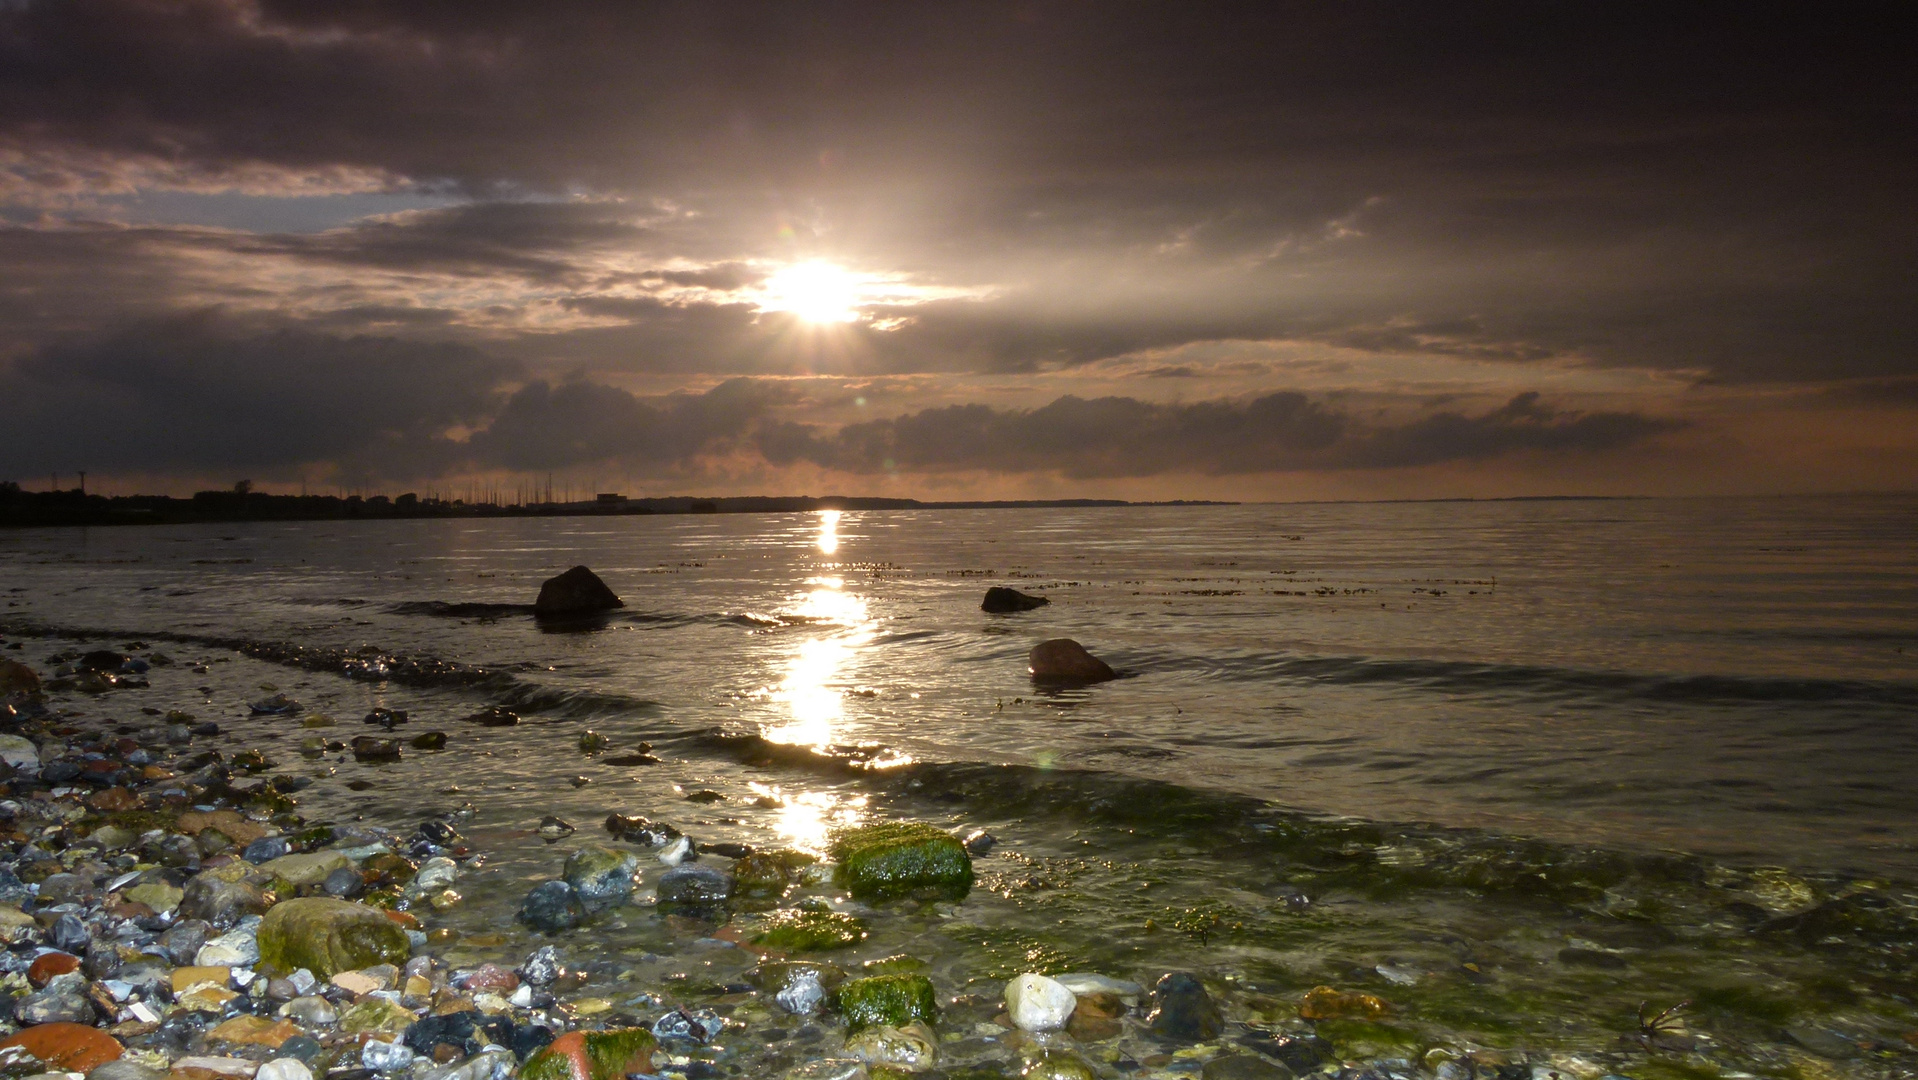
[{"x": 475, "y": 235}]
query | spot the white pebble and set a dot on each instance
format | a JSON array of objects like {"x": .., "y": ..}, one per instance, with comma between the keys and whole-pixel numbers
[
  {"x": 1037, "y": 1003},
  {"x": 285, "y": 1068},
  {"x": 386, "y": 1056},
  {"x": 676, "y": 852}
]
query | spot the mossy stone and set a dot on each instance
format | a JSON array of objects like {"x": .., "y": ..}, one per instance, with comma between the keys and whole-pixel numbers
[
  {"x": 328, "y": 936},
  {"x": 593, "y": 1055},
  {"x": 810, "y": 931},
  {"x": 891, "y": 1000},
  {"x": 377, "y": 1016},
  {"x": 904, "y": 858}
]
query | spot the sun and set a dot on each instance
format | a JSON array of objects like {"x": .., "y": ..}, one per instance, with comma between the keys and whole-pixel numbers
[{"x": 817, "y": 292}]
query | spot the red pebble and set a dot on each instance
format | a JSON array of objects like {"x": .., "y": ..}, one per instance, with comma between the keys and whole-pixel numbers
[{"x": 51, "y": 964}]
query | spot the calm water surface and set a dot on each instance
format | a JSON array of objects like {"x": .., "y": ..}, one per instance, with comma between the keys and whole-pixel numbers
[
  {"x": 1734, "y": 678},
  {"x": 1513, "y": 767}
]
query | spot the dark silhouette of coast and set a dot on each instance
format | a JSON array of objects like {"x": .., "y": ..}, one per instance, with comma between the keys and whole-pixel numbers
[{"x": 39, "y": 509}]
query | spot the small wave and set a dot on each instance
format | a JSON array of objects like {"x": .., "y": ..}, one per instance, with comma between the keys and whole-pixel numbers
[
  {"x": 1471, "y": 677},
  {"x": 463, "y": 610},
  {"x": 372, "y": 664}
]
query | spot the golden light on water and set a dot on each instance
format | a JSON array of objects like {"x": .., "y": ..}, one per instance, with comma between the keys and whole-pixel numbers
[
  {"x": 806, "y": 819},
  {"x": 813, "y": 687}
]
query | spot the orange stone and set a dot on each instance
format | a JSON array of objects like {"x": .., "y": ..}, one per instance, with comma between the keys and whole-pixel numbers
[
  {"x": 49, "y": 965},
  {"x": 254, "y": 1031},
  {"x": 236, "y": 828},
  {"x": 572, "y": 1047},
  {"x": 72, "y": 1047},
  {"x": 114, "y": 799},
  {"x": 404, "y": 918}
]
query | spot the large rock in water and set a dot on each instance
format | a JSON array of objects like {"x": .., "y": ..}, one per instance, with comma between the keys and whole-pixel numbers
[
  {"x": 1065, "y": 660},
  {"x": 1003, "y": 601},
  {"x": 576, "y": 592},
  {"x": 328, "y": 936},
  {"x": 902, "y": 858}
]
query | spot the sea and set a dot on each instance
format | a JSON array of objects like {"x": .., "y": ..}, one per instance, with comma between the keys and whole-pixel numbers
[{"x": 1528, "y": 772}]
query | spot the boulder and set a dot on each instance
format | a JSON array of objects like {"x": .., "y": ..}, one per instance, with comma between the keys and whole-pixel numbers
[
  {"x": 328, "y": 936},
  {"x": 902, "y": 858},
  {"x": 577, "y": 592},
  {"x": 1003, "y": 601},
  {"x": 1065, "y": 660},
  {"x": 307, "y": 868},
  {"x": 887, "y": 1001}
]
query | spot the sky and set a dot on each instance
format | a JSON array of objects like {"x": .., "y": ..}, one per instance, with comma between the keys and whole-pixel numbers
[{"x": 959, "y": 250}]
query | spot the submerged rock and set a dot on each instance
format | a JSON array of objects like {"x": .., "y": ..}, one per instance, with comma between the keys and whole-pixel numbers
[
  {"x": 912, "y": 1047},
  {"x": 1003, "y": 601},
  {"x": 601, "y": 876},
  {"x": 1182, "y": 1010},
  {"x": 328, "y": 936},
  {"x": 810, "y": 931},
  {"x": 1065, "y": 660},
  {"x": 905, "y": 858},
  {"x": 576, "y": 592},
  {"x": 888, "y": 1001},
  {"x": 552, "y": 905},
  {"x": 695, "y": 886}
]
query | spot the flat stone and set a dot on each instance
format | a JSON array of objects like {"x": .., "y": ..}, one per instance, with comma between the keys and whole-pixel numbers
[
  {"x": 72, "y": 1047},
  {"x": 186, "y": 978},
  {"x": 237, "y": 828},
  {"x": 306, "y": 868},
  {"x": 254, "y": 1031}
]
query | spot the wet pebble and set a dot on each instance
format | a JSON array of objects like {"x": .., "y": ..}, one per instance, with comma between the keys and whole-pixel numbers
[
  {"x": 552, "y": 905},
  {"x": 1182, "y": 1010}
]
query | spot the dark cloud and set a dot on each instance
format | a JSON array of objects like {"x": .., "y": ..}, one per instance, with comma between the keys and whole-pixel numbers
[
  {"x": 1497, "y": 186},
  {"x": 553, "y": 427},
  {"x": 190, "y": 395},
  {"x": 1125, "y": 437}
]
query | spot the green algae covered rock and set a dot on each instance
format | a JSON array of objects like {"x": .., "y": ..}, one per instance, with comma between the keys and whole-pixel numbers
[
  {"x": 328, "y": 936},
  {"x": 377, "y": 1016},
  {"x": 902, "y": 858},
  {"x": 810, "y": 931},
  {"x": 593, "y": 1055},
  {"x": 888, "y": 1000}
]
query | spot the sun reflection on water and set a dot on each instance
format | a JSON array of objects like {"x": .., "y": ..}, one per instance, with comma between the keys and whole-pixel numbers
[
  {"x": 812, "y": 688},
  {"x": 807, "y": 819}
]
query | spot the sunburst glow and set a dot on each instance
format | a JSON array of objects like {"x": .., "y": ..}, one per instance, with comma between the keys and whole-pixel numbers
[{"x": 817, "y": 292}]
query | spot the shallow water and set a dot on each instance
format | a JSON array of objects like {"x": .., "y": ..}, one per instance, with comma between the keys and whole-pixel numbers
[{"x": 1562, "y": 693}]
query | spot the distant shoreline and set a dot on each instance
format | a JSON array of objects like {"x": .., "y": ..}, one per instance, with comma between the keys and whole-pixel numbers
[{"x": 66, "y": 509}]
